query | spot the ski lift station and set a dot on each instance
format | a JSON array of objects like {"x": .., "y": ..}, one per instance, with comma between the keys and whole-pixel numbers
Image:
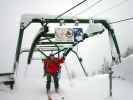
[{"x": 67, "y": 34}]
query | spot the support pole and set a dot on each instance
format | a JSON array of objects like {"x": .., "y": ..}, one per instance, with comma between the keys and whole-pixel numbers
[
  {"x": 19, "y": 43},
  {"x": 110, "y": 81},
  {"x": 80, "y": 61}
]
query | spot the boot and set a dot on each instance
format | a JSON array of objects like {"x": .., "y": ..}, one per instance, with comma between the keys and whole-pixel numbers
[{"x": 49, "y": 98}]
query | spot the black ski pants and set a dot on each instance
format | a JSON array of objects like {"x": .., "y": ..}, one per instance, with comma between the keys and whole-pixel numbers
[{"x": 55, "y": 78}]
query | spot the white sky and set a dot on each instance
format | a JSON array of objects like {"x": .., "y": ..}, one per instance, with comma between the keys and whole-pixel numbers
[{"x": 10, "y": 15}]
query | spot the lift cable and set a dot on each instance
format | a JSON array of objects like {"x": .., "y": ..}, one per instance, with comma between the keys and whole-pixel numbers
[
  {"x": 70, "y": 9},
  {"x": 111, "y": 8},
  {"x": 122, "y": 20},
  {"x": 88, "y": 8}
]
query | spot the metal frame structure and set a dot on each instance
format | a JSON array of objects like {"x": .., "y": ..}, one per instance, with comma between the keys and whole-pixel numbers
[{"x": 115, "y": 52}]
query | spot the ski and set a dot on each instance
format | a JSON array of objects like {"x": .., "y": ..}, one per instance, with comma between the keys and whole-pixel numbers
[
  {"x": 49, "y": 97},
  {"x": 55, "y": 96}
]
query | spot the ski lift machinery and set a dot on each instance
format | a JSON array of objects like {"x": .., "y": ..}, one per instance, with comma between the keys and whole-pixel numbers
[{"x": 45, "y": 41}]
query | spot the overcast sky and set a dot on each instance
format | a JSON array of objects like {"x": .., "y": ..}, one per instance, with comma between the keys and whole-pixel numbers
[{"x": 95, "y": 48}]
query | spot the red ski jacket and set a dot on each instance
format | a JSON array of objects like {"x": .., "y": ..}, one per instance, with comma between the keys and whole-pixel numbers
[{"x": 52, "y": 66}]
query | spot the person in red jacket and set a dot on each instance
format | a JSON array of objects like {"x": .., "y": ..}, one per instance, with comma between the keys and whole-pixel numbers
[{"x": 51, "y": 69}]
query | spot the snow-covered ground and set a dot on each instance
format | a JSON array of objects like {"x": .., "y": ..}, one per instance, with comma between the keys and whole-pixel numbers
[
  {"x": 31, "y": 86},
  {"x": 125, "y": 69},
  {"x": 91, "y": 88}
]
